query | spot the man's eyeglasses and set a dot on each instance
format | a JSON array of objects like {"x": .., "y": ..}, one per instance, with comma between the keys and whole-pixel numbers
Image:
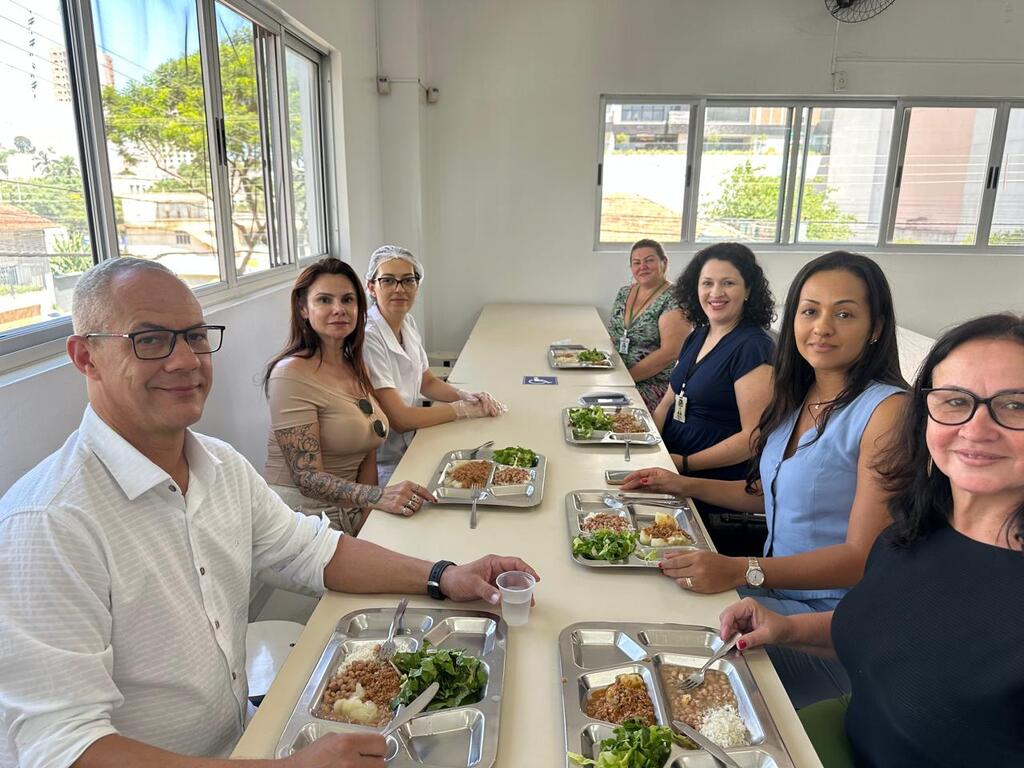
[
  {"x": 409, "y": 283},
  {"x": 156, "y": 344},
  {"x": 953, "y": 406},
  {"x": 367, "y": 407}
]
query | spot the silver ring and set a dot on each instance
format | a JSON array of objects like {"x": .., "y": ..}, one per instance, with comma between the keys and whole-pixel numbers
[{"x": 689, "y": 582}]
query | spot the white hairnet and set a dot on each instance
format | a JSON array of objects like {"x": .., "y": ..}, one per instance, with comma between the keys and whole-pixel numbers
[{"x": 387, "y": 253}]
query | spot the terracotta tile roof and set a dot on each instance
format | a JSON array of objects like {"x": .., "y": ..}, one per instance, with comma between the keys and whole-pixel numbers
[{"x": 14, "y": 218}]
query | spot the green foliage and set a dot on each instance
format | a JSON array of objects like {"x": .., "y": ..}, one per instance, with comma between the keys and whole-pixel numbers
[
  {"x": 1007, "y": 237},
  {"x": 56, "y": 193},
  {"x": 749, "y": 196}
]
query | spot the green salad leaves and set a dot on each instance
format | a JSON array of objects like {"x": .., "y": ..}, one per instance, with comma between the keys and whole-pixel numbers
[
  {"x": 585, "y": 421},
  {"x": 515, "y": 456},
  {"x": 591, "y": 356},
  {"x": 605, "y": 544},
  {"x": 633, "y": 745},
  {"x": 462, "y": 678}
]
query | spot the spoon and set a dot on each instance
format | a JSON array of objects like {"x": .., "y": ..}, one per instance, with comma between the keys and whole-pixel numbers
[{"x": 475, "y": 451}]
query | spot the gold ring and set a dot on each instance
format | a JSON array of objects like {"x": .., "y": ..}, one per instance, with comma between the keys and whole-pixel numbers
[{"x": 689, "y": 582}]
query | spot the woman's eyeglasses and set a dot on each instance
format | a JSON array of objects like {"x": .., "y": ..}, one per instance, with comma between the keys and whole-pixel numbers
[
  {"x": 367, "y": 407},
  {"x": 953, "y": 406},
  {"x": 389, "y": 282}
]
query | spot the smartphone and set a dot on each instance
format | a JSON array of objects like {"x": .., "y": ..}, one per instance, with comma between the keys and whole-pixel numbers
[{"x": 616, "y": 476}]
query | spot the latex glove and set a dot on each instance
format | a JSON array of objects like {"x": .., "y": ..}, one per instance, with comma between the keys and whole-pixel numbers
[
  {"x": 494, "y": 407},
  {"x": 465, "y": 409},
  {"x": 464, "y": 395}
]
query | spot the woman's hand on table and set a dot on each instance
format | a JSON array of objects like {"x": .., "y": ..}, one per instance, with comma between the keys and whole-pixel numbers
[
  {"x": 656, "y": 480},
  {"x": 703, "y": 571},
  {"x": 758, "y": 625},
  {"x": 405, "y": 498},
  {"x": 492, "y": 406},
  {"x": 342, "y": 750},
  {"x": 470, "y": 409},
  {"x": 475, "y": 580}
]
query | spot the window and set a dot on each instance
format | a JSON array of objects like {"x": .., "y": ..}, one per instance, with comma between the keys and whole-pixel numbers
[
  {"x": 171, "y": 131},
  {"x": 643, "y": 172},
  {"x": 843, "y": 172},
  {"x": 154, "y": 114},
  {"x": 1008, "y": 217},
  {"x": 867, "y": 174},
  {"x": 307, "y": 164},
  {"x": 741, "y": 174},
  {"x": 44, "y": 226},
  {"x": 944, "y": 165}
]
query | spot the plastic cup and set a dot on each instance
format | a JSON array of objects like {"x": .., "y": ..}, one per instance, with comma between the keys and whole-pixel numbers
[{"x": 516, "y": 589}]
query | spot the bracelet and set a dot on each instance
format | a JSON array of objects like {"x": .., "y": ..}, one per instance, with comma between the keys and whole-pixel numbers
[
  {"x": 434, "y": 579},
  {"x": 686, "y": 465}
]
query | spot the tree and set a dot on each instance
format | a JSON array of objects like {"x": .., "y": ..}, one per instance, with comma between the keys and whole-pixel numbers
[
  {"x": 162, "y": 118},
  {"x": 55, "y": 193},
  {"x": 749, "y": 196}
]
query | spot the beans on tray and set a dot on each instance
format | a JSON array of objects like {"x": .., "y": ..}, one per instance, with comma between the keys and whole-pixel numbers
[{"x": 690, "y": 706}]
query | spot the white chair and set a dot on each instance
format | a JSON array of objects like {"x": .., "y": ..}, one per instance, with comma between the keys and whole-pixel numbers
[{"x": 267, "y": 645}]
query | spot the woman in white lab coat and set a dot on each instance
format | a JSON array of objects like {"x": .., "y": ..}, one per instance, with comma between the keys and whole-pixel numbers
[{"x": 397, "y": 362}]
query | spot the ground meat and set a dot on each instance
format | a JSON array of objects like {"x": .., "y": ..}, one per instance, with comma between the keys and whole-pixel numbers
[
  {"x": 380, "y": 684},
  {"x": 511, "y": 476},
  {"x": 627, "y": 422},
  {"x": 472, "y": 474},
  {"x": 665, "y": 531},
  {"x": 596, "y": 521},
  {"x": 626, "y": 698},
  {"x": 690, "y": 706}
]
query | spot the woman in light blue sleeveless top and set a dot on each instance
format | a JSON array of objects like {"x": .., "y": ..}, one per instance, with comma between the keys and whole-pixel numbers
[{"x": 834, "y": 400}]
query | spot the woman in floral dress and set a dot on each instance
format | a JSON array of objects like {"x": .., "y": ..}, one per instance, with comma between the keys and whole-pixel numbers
[{"x": 646, "y": 324}]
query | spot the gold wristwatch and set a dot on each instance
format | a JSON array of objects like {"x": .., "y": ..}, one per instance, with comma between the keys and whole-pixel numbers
[{"x": 755, "y": 576}]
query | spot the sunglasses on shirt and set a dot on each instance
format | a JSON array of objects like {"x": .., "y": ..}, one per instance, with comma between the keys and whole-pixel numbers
[{"x": 367, "y": 407}]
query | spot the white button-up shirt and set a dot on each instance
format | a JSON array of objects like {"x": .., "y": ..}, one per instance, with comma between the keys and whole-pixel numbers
[
  {"x": 123, "y": 603},
  {"x": 394, "y": 365}
]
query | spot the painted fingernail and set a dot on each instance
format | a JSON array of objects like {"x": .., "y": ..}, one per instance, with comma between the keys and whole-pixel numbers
[
  {"x": 742, "y": 645},
  {"x": 645, "y": 480}
]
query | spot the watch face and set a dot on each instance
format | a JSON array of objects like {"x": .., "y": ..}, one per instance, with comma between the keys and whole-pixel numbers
[{"x": 755, "y": 577}]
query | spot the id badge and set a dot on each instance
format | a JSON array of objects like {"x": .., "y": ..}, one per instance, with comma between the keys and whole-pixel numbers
[
  {"x": 680, "y": 412},
  {"x": 624, "y": 345}
]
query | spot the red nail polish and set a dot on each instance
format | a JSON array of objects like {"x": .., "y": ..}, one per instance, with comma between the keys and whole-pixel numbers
[
  {"x": 742, "y": 645},
  {"x": 645, "y": 480}
]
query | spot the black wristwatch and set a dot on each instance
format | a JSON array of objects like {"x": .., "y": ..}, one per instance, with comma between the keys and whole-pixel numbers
[{"x": 434, "y": 580}]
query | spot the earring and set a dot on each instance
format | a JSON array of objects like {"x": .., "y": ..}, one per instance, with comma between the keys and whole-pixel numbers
[
  {"x": 873, "y": 341},
  {"x": 931, "y": 465}
]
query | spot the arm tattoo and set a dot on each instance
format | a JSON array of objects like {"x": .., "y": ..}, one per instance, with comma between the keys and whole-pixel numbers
[{"x": 301, "y": 449}]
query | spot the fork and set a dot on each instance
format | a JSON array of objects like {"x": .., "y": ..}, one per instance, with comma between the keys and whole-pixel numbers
[
  {"x": 627, "y": 458},
  {"x": 387, "y": 648},
  {"x": 697, "y": 678},
  {"x": 477, "y": 495},
  {"x": 475, "y": 451}
]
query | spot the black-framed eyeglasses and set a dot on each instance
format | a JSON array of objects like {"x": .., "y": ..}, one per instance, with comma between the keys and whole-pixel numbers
[
  {"x": 389, "y": 282},
  {"x": 953, "y": 406},
  {"x": 158, "y": 343},
  {"x": 378, "y": 426}
]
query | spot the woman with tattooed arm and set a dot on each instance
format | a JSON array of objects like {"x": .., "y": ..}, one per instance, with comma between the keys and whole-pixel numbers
[{"x": 326, "y": 425}]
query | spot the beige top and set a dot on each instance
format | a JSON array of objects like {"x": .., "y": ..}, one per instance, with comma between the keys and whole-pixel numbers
[{"x": 346, "y": 433}]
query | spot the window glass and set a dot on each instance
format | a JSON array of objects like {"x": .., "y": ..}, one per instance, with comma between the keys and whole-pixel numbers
[
  {"x": 1008, "y": 215},
  {"x": 306, "y": 157},
  {"x": 944, "y": 168},
  {"x": 44, "y": 230},
  {"x": 741, "y": 170},
  {"x": 644, "y": 172},
  {"x": 845, "y": 164},
  {"x": 155, "y": 117}
]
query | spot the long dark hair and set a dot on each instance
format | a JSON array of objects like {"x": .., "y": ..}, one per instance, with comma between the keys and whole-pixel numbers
[
  {"x": 304, "y": 342},
  {"x": 759, "y": 309},
  {"x": 922, "y": 498},
  {"x": 793, "y": 375}
]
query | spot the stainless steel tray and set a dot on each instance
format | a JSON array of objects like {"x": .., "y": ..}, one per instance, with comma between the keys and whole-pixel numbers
[
  {"x": 593, "y": 653},
  {"x": 449, "y": 738},
  {"x": 607, "y": 364},
  {"x": 649, "y": 436},
  {"x": 529, "y": 494},
  {"x": 578, "y": 504}
]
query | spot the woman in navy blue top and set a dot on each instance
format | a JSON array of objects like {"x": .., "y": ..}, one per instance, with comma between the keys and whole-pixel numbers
[
  {"x": 722, "y": 381},
  {"x": 836, "y": 397}
]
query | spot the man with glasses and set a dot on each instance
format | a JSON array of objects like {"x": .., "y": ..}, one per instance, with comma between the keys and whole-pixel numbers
[{"x": 127, "y": 555}]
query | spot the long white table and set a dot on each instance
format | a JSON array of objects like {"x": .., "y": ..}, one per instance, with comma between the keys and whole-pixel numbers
[
  {"x": 510, "y": 341},
  {"x": 531, "y": 719}
]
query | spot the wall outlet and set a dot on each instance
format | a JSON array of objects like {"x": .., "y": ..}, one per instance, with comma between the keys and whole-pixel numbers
[
  {"x": 839, "y": 81},
  {"x": 383, "y": 85}
]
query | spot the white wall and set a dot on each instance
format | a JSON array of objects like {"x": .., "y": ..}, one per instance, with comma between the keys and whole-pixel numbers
[
  {"x": 40, "y": 410},
  {"x": 512, "y": 144}
]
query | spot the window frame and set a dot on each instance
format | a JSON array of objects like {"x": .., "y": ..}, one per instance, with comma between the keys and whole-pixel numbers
[
  {"x": 794, "y": 168},
  {"x": 34, "y": 343}
]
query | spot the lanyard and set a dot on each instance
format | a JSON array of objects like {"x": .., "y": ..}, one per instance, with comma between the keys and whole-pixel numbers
[{"x": 632, "y": 316}]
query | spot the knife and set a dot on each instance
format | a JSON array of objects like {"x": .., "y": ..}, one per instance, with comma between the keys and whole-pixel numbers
[
  {"x": 705, "y": 743},
  {"x": 415, "y": 707}
]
